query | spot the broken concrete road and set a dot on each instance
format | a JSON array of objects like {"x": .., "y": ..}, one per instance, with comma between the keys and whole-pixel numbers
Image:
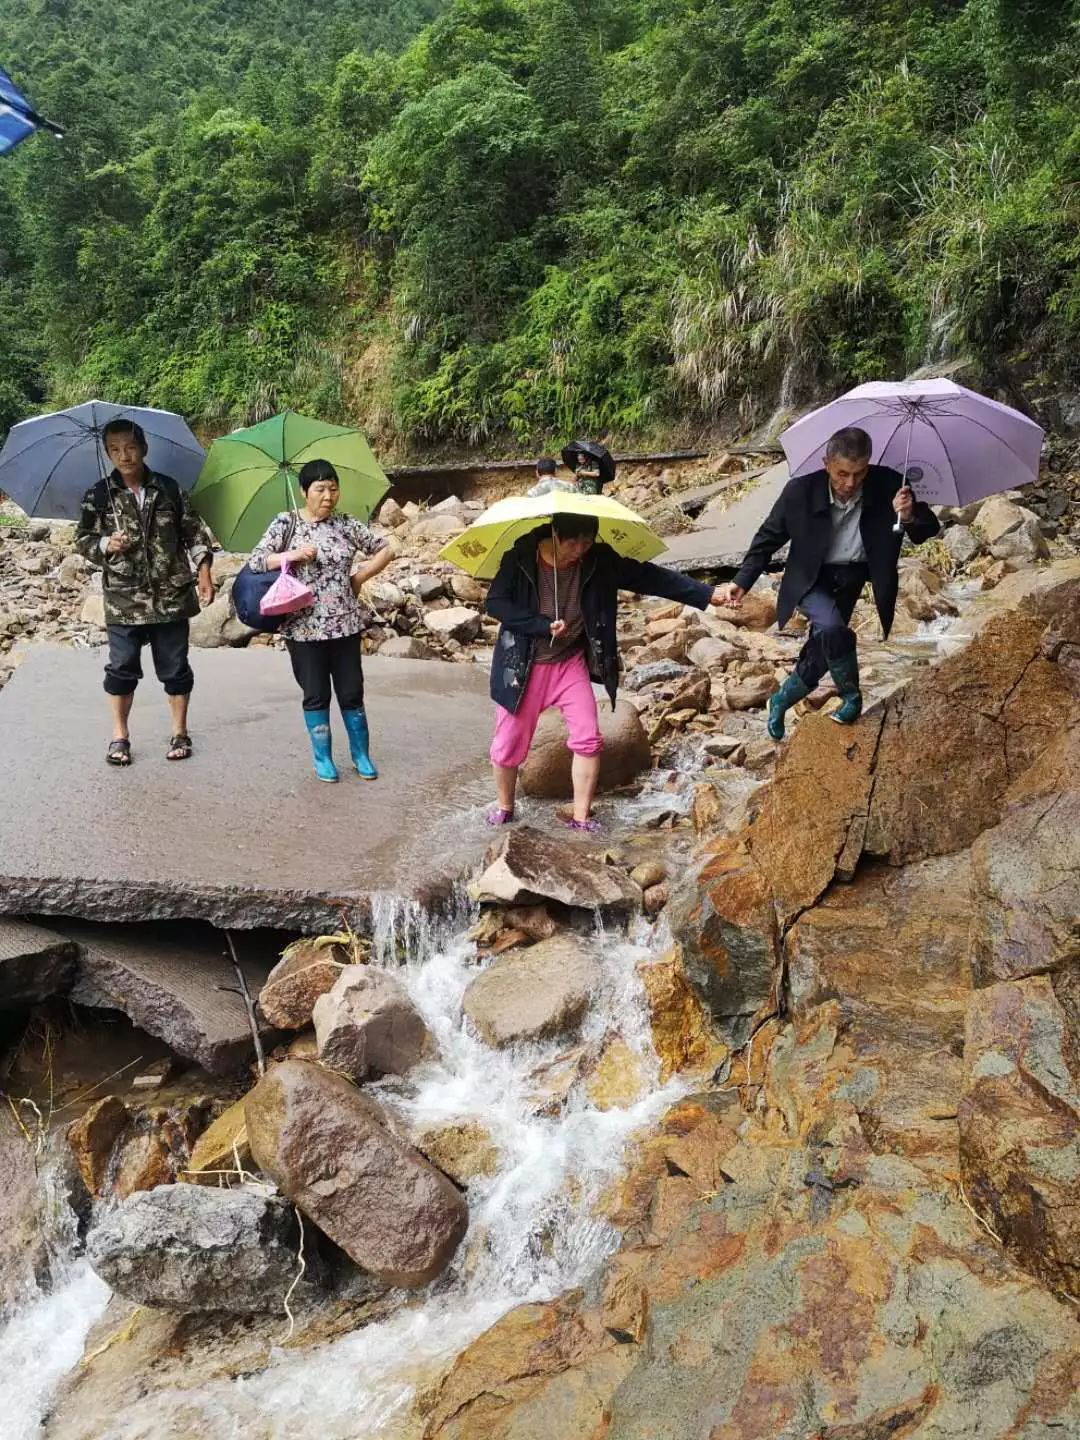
[{"x": 242, "y": 834}]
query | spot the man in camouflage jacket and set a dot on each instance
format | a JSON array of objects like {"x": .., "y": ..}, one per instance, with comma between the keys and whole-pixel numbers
[{"x": 140, "y": 528}]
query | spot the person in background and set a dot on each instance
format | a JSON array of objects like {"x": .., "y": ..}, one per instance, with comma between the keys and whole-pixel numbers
[
  {"x": 840, "y": 522},
  {"x": 547, "y": 478},
  {"x": 155, "y": 555},
  {"x": 323, "y": 640},
  {"x": 556, "y": 595}
]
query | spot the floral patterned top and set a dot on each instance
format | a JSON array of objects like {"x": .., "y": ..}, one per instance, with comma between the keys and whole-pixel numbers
[{"x": 335, "y": 611}]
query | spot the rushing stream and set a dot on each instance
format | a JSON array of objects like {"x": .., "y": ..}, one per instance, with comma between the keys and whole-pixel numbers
[{"x": 534, "y": 1229}]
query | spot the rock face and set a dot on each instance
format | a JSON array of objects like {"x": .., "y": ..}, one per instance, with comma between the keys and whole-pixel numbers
[
  {"x": 328, "y": 1148},
  {"x": 526, "y": 865},
  {"x": 722, "y": 916},
  {"x": 1020, "y": 1121},
  {"x": 963, "y": 730},
  {"x": 1027, "y": 880},
  {"x": 189, "y": 1248},
  {"x": 303, "y": 973},
  {"x": 367, "y": 1022},
  {"x": 681, "y": 1031},
  {"x": 546, "y": 772},
  {"x": 93, "y": 1136},
  {"x": 34, "y": 963},
  {"x": 535, "y": 994}
]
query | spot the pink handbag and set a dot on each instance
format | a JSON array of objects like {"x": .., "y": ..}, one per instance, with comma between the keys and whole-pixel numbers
[{"x": 286, "y": 595}]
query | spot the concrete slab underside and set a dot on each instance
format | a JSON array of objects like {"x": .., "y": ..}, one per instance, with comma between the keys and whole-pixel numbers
[{"x": 242, "y": 834}]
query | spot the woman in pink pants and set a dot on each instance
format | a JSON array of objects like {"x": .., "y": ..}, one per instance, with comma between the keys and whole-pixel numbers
[{"x": 542, "y": 661}]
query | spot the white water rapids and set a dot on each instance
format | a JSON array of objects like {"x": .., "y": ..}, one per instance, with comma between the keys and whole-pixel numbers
[{"x": 533, "y": 1231}]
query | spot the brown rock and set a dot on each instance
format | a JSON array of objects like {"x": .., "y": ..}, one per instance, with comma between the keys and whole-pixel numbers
[
  {"x": 1020, "y": 1126},
  {"x": 367, "y": 1022},
  {"x": 655, "y": 898},
  {"x": 542, "y": 1371},
  {"x": 648, "y": 873},
  {"x": 665, "y": 647},
  {"x": 464, "y": 1150},
  {"x": 546, "y": 772},
  {"x": 994, "y": 574},
  {"x": 219, "y": 1149},
  {"x": 618, "y": 1079},
  {"x": 305, "y": 971},
  {"x": 813, "y": 817},
  {"x": 997, "y": 517},
  {"x": 954, "y": 739},
  {"x": 406, "y": 647},
  {"x": 436, "y": 526},
  {"x": 681, "y": 1030},
  {"x": 143, "y": 1164},
  {"x": 539, "y": 993},
  {"x": 722, "y": 915},
  {"x": 304, "y": 1047},
  {"x": 757, "y": 611},
  {"x": 712, "y": 654},
  {"x": 706, "y": 809},
  {"x": 93, "y": 1136},
  {"x": 1026, "y": 877},
  {"x": 750, "y": 694},
  {"x": 328, "y": 1149},
  {"x": 466, "y": 589},
  {"x": 533, "y": 920},
  {"x": 527, "y": 865}
]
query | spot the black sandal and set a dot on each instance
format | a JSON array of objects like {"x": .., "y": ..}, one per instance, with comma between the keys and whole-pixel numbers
[
  {"x": 118, "y": 753},
  {"x": 182, "y": 745}
]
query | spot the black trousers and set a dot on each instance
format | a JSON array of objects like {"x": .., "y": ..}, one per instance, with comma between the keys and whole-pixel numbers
[
  {"x": 316, "y": 662},
  {"x": 169, "y": 647},
  {"x": 828, "y": 606}
]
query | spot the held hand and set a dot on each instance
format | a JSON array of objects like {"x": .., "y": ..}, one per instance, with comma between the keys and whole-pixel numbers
[
  {"x": 558, "y": 627},
  {"x": 904, "y": 503},
  {"x": 119, "y": 544},
  {"x": 729, "y": 596},
  {"x": 303, "y": 553}
]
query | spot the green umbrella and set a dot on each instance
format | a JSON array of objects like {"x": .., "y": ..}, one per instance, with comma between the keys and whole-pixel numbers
[{"x": 250, "y": 475}]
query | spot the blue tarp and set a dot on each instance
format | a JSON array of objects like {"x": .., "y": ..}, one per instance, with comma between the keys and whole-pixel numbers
[{"x": 18, "y": 118}]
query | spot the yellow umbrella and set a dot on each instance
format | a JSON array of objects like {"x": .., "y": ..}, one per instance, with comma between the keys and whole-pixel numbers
[{"x": 481, "y": 548}]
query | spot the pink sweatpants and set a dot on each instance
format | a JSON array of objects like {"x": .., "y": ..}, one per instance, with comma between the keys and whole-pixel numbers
[{"x": 566, "y": 686}]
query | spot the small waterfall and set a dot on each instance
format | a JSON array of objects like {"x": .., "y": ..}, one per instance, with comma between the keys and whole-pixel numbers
[{"x": 534, "y": 1231}]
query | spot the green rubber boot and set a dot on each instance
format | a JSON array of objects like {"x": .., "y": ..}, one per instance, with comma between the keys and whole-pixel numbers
[
  {"x": 790, "y": 693},
  {"x": 845, "y": 674}
]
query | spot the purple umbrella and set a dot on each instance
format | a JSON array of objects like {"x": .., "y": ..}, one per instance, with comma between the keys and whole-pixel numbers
[{"x": 951, "y": 445}]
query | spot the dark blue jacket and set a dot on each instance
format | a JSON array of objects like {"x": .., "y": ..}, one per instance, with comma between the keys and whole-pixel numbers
[
  {"x": 514, "y": 598},
  {"x": 802, "y": 515}
]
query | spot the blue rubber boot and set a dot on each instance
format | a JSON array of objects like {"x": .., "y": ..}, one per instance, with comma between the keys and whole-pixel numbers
[
  {"x": 359, "y": 739},
  {"x": 318, "y": 725},
  {"x": 790, "y": 693},
  {"x": 845, "y": 674}
]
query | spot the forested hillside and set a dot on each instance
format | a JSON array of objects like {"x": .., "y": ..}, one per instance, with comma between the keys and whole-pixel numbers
[{"x": 487, "y": 220}]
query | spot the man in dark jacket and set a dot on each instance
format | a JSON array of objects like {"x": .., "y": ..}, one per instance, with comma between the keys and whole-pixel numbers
[
  {"x": 841, "y": 525},
  {"x": 140, "y": 528},
  {"x": 556, "y": 595}
]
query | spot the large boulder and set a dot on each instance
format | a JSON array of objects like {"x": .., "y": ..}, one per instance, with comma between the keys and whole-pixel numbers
[
  {"x": 436, "y": 526},
  {"x": 962, "y": 544},
  {"x": 305, "y": 971},
  {"x": 329, "y": 1149},
  {"x": 367, "y": 1022},
  {"x": 955, "y": 738},
  {"x": 996, "y": 518},
  {"x": 456, "y": 623},
  {"x": 546, "y": 772},
  {"x": 217, "y": 625},
  {"x": 1025, "y": 544},
  {"x": 723, "y": 918},
  {"x": 34, "y": 963},
  {"x": 1020, "y": 1123},
  {"x": 191, "y": 1248},
  {"x": 536, "y": 994},
  {"x": 526, "y": 865}
]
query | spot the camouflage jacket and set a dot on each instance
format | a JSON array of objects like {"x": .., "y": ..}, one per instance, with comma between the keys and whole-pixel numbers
[{"x": 153, "y": 582}]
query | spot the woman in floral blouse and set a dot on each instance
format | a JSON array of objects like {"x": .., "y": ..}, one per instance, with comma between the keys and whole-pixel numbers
[{"x": 323, "y": 640}]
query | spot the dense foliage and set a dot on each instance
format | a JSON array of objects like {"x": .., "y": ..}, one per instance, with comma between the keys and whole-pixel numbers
[{"x": 490, "y": 220}]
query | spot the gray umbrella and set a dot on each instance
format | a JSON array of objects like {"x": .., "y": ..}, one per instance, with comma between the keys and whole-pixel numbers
[{"x": 49, "y": 462}]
